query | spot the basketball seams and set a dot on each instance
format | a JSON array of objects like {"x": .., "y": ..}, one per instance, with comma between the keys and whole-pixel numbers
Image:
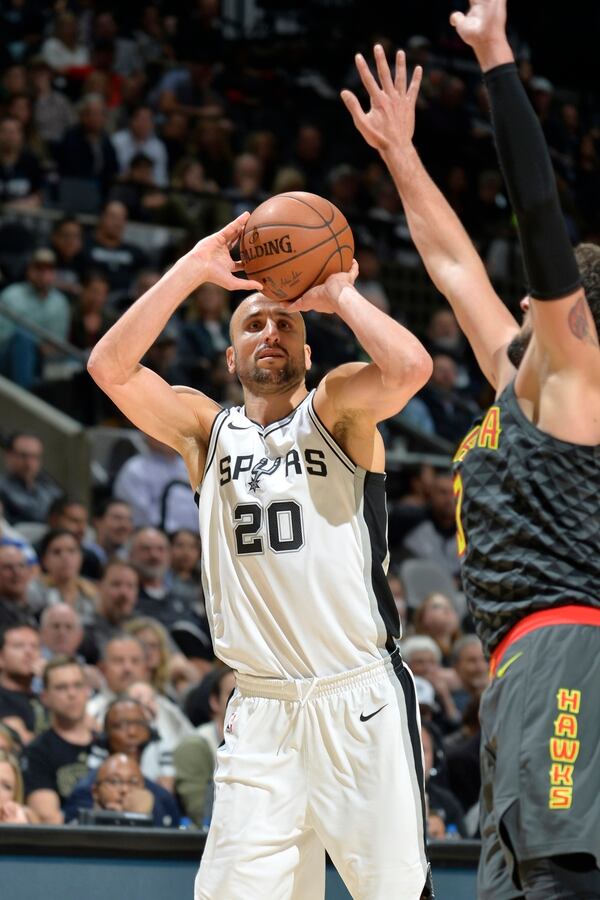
[{"x": 325, "y": 222}]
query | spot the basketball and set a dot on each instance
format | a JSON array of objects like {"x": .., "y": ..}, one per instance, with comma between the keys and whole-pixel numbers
[{"x": 293, "y": 242}]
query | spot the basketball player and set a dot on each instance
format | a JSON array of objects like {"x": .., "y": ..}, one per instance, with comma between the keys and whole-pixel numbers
[
  {"x": 321, "y": 736},
  {"x": 527, "y": 484}
]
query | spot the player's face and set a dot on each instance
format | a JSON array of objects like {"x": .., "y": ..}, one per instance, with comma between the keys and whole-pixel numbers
[
  {"x": 269, "y": 350},
  {"x": 519, "y": 344}
]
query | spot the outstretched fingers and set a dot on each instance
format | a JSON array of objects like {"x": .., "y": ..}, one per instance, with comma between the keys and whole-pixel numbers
[
  {"x": 414, "y": 86},
  {"x": 383, "y": 69},
  {"x": 368, "y": 79},
  {"x": 400, "y": 77}
]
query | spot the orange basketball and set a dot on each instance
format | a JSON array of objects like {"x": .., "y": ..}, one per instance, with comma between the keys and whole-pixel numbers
[{"x": 293, "y": 241}]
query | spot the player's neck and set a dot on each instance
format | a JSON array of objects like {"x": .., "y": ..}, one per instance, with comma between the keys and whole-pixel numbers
[{"x": 267, "y": 408}]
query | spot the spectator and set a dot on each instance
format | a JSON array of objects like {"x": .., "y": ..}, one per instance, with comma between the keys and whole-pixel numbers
[
  {"x": 308, "y": 156},
  {"x": 58, "y": 757},
  {"x": 26, "y": 492},
  {"x": 61, "y": 559},
  {"x": 154, "y": 639},
  {"x": 69, "y": 514},
  {"x": 472, "y": 670},
  {"x": 113, "y": 529},
  {"x": 116, "y": 601},
  {"x": 123, "y": 664},
  {"x": 440, "y": 799},
  {"x": 52, "y": 111},
  {"x": 423, "y": 657},
  {"x": 369, "y": 282},
  {"x": 205, "y": 334},
  {"x": 12, "y": 808},
  {"x": 130, "y": 726},
  {"x": 435, "y": 537},
  {"x": 462, "y": 758},
  {"x": 451, "y": 411},
  {"x": 11, "y": 537},
  {"x": 149, "y": 481},
  {"x": 195, "y": 756},
  {"x": 119, "y": 785},
  {"x": 109, "y": 252},
  {"x": 127, "y": 60},
  {"x": 63, "y": 51},
  {"x": 67, "y": 245},
  {"x": 150, "y": 554},
  {"x": 185, "y": 574},
  {"x": 412, "y": 505},
  {"x": 437, "y": 617},
  {"x": 140, "y": 137},
  {"x": 90, "y": 318},
  {"x": 10, "y": 741},
  {"x": 20, "y": 657},
  {"x": 86, "y": 150},
  {"x": 246, "y": 191},
  {"x": 14, "y": 578},
  {"x": 61, "y": 632},
  {"x": 35, "y": 300},
  {"x": 21, "y": 177}
]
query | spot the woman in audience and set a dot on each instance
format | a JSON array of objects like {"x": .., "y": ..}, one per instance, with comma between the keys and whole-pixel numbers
[
  {"x": 12, "y": 809},
  {"x": 155, "y": 640},
  {"x": 61, "y": 559},
  {"x": 437, "y": 618}
]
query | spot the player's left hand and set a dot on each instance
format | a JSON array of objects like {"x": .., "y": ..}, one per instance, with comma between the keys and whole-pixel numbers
[
  {"x": 323, "y": 298},
  {"x": 390, "y": 122}
]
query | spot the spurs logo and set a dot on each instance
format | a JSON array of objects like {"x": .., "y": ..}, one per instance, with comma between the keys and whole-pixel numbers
[{"x": 259, "y": 470}]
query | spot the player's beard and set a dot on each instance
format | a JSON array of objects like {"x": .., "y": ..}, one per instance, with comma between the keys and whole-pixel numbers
[
  {"x": 519, "y": 344},
  {"x": 267, "y": 380}
]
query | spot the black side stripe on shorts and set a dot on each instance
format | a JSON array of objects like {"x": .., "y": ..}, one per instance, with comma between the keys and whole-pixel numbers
[{"x": 410, "y": 699}]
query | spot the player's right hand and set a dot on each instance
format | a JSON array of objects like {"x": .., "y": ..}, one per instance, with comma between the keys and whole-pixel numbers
[
  {"x": 390, "y": 122},
  {"x": 213, "y": 260}
]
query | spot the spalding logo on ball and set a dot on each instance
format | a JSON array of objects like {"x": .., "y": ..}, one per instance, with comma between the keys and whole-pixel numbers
[{"x": 293, "y": 242}]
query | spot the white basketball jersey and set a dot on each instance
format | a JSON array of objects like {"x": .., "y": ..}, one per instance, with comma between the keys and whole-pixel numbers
[{"x": 294, "y": 549}]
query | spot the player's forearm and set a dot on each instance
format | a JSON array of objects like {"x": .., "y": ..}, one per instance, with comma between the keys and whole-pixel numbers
[
  {"x": 117, "y": 355},
  {"x": 393, "y": 349},
  {"x": 548, "y": 256}
]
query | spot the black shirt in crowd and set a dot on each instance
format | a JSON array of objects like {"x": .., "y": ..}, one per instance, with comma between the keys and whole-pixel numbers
[{"x": 52, "y": 763}]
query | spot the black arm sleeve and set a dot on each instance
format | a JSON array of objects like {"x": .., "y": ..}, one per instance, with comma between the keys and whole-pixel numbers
[{"x": 548, "y": 256}]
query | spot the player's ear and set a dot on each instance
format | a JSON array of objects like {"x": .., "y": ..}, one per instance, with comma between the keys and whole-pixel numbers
[
  {"x": 307, "y": 357},
  {"x": 230, "y": 360}
]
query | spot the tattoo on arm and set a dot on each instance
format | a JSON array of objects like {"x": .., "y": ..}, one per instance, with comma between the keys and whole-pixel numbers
[{"x": 579, "y": 322}]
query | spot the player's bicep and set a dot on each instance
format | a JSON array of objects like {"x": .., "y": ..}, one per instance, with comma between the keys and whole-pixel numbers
[
  {"x": 363, "y": 389},
  {"x": 566, "y": 334},
  {"x": 159, "y": 410}
]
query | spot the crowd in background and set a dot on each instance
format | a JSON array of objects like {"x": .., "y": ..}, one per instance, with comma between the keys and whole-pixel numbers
[{"x": 126, "y": 136}]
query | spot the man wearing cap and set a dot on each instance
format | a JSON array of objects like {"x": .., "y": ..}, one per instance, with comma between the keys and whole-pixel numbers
[{"x": 35, "y": 300}]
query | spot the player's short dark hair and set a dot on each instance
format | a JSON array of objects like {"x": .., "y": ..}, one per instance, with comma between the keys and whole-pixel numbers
[
  {"x": 588, "y": 260},
  {"x": 59, "y": 662}
]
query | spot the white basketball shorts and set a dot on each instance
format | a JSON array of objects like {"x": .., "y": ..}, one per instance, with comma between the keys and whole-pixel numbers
[{"x": 329, "y": 764}]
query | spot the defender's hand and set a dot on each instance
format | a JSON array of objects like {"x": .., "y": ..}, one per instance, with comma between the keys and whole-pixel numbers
[
  {"x": 213, "y": 260},
  {"x": 484, "y": 29},
  {"x": 390, "y": 122},
  {"x": 323, "y": 298}
]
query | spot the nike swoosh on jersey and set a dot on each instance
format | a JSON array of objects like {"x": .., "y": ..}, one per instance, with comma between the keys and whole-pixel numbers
[
  {"x": 238, "y": 427},
  {"x": 364, "y": 718},
  {"x": 508, "y": 663}
]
